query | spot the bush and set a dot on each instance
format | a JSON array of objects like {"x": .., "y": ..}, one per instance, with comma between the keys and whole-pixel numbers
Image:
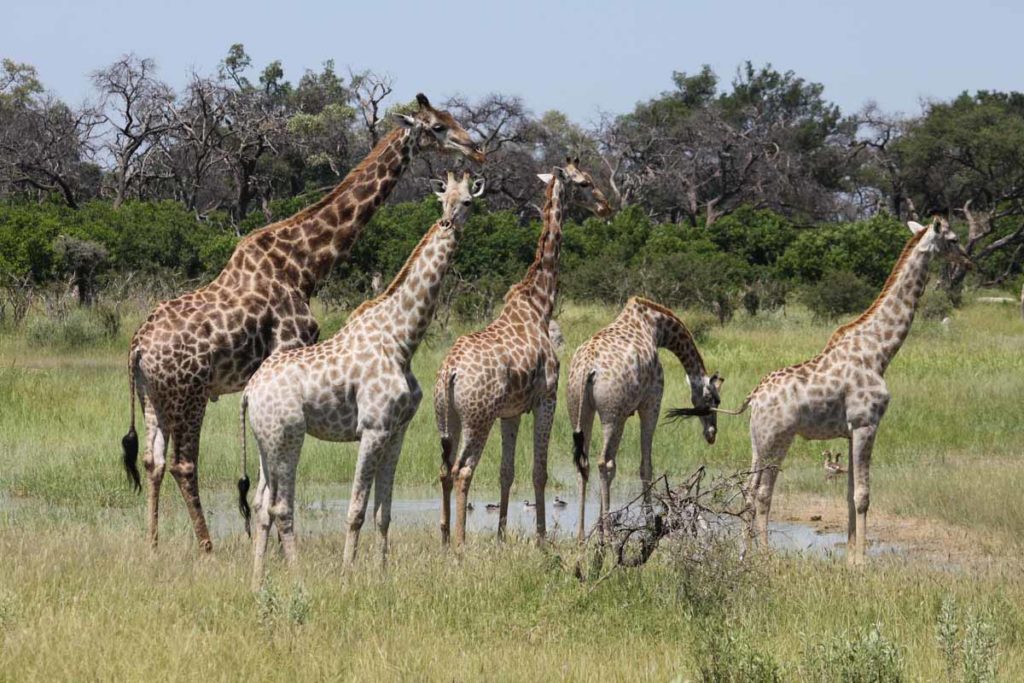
[
  {"x": 837, "y": 293},
  {"x": 935, "y": 305},
  {"x": 870, "y": 658}
]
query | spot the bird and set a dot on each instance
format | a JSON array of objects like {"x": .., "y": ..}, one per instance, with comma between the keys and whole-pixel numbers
[
  {"x": 559, "y": 503},
  {"x": 528, "y": 504},
  {"x": 831, "y": 464},
  {"x": 492, "y": 507},
  {"x": 469, "y": 506}
]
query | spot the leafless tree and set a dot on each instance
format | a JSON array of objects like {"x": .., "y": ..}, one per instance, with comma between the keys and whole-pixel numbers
[
  {"x": 136, "y": 109},
  {"x": 370, "y": 89}
]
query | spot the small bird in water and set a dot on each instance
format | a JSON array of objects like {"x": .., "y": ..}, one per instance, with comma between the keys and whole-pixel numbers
[
  {"x": 559, "y": 503},
  {"x": 493, "y": 507},
  {"x": 528, "y": 504},
  {"x": 469, "y": 507},
  {"x": 831, "y": 464}
]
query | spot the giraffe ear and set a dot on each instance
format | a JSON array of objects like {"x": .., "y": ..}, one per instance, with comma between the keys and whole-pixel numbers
[
  {"x": 478, "y": 187},
  {"x": 406, "y": 121},
  {"x": 439, "y": 187},
  {"x": 915, "y": 227},
  {"x": 545, "y": 177}
]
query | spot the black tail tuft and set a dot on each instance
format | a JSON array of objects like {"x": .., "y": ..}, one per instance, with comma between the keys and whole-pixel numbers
[
  {"x": 677, "y": 413},
  {"x": 579, "y": 456},
  {"x": 130, "y": 445},
  {"x": 243, "y": 502}
]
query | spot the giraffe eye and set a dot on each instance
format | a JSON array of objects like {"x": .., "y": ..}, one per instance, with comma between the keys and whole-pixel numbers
[
  {"x": 467, "y": 202},
  {"x": 437, "y": 128},
  {"x": 585, "y": 183}
]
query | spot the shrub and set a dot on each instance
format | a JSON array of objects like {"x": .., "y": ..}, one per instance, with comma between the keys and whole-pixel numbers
[
  {"x": 935, "y": 305},
  {"x": 869, "y": 658},
  {"x": 79, "y": 328},
  {"x": 837, "y": 293}
]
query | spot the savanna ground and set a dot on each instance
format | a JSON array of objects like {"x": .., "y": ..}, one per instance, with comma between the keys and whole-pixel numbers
[{"x": 82, "y": 597}]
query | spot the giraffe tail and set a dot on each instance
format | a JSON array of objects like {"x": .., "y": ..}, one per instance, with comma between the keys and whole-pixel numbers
[
  {"x": 243, "y": 481},
  {"x": 677, "y": 413},
  {"x": 130, "y": 441},
  {"x": 579, "y": 454}
]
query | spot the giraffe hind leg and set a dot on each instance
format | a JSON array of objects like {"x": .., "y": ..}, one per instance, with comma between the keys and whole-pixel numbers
[
  {"x": 185, "y": 468},
  {"x": 154, "y": 461}
]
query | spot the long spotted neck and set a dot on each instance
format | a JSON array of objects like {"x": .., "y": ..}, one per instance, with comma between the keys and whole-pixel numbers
[
  {"x": 300, "y": 251},
  {"x": 669, "y": 332},
  {"x": 540, "y": 284},
  {"x": 880, "y": 331},
  {"x": 407, "y": 306}
]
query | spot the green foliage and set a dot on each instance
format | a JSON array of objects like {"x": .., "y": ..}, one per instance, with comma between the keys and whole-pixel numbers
[
  {"x": 866, "y": 248},
  {"x": 78, "y": 329},
  {"x": 869, "y": 658},
  {"x": 968, "y": 643},
  {"x": 935, "y": 305},
  {"x": 837, "y": 293}
]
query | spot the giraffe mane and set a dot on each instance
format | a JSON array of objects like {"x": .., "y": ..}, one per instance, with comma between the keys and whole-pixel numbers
[
  {"x": 531, "y": 272},
  {"x": 402, "y": 274},
  {"x": 890, "y": 282},
  {"x": 670, "y": 314}
]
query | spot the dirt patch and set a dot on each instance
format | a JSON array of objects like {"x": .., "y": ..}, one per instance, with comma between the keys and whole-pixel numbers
[{"x": 919, "y": 539}]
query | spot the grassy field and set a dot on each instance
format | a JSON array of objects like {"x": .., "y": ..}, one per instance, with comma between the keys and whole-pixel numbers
[{"x": 82, "y": 598}]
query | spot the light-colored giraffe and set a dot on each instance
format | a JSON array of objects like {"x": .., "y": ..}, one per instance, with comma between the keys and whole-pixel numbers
[
  {"x": 206, "y": 343},
  {"x": 617, "y": 373},
  {"x": 356, "y": 386},
  {"x": 841, "y": 393},
  {"x": 508, "y": 368}
]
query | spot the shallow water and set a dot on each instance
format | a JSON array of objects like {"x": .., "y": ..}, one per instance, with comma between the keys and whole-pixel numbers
[{"x": 417, "y": 509}]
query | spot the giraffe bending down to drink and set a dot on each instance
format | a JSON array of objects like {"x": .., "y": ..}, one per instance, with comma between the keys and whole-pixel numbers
[
  {"x": 207, "y": 343},
  {"x": 617, "y": 373},
  {"x": 356, "y": 386},
  {"x": 841, "y": 393},
  {"x": 508, "y": 368}
]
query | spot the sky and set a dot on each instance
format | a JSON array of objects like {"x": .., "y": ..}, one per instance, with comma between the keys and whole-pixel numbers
[{"x": 582, "y": 58}]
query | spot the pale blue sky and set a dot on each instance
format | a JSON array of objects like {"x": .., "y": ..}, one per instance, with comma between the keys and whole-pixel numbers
[{"x": 580, "y": 57}]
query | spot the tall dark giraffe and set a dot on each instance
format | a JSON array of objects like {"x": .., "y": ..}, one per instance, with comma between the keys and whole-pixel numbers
[{"x": 209, "y": 342}]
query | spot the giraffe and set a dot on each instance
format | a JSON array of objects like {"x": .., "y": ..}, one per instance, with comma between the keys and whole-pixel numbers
[
  {"x": 356, "y": 386},
  {"x": 617, "y": 373},
  {"x": 508, "y": 368},
  {"x": 206, "y": 343},
  {"x": 841, "y": 392}
]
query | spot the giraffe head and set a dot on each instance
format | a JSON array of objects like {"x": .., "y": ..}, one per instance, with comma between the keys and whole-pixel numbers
[
  {"x": 438, "y": 128},
  {"x": 457, "y": 196},
  {"x": 940, "y": 240},
  {"x": 706, "y": 398},
  {"x": 579, "y": 186}
]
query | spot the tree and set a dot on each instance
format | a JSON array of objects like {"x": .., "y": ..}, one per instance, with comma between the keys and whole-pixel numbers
[{"x": 137, "y": 109}]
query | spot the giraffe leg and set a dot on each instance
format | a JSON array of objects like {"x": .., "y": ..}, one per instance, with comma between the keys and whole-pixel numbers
[
  {"x": 185, "y": 467},
  {"x": 449, "y": 449},
  {"x": 851, "y": 508},
  {"x": 261, "y": 531},
  {"x": 606, "y": 466},
  {"x": 371, "y": 449},
  {"x": 284, "y": 468},
  {"x": 509, "y": 433},
  {"x": 382, "y": 490},
  {"x": 582, "y": 457},
  {"x": 771, "y": 453},
  {"x": 469, "y": 457},
  {"x": 648, "y": 413},
  {"x": 155, "y": 463},
  {"x": 863, "y": 441},
  {"x": 543, "y": 418}
]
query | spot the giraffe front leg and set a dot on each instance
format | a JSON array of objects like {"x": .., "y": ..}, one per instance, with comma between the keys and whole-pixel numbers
[
  {"x": 862, "y": 443},
  {"x": 383, "y": 488},
  {"x": 509, "y": 434},
  {"x": 543, "y": 418},
  {"x": 648, "y": 413},
  {"x": 371, "y": 446}
]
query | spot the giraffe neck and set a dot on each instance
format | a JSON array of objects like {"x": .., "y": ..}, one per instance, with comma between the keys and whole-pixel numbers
[
  {"x": 539, "y": 287},
  {"x": 302, "y": 250},
  {"x": 407, "y": 306},
  {"x": 669, "y": 332},
  {"x": 880, "y": 331}
]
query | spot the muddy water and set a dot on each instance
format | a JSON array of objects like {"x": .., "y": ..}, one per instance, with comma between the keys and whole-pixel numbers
[{"x": 420, "y": 508}]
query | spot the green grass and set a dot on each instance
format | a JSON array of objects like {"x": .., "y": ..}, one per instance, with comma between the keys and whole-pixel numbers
[{"x": 82, "y": 598}]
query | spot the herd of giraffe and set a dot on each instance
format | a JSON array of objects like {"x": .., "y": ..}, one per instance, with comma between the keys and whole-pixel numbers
[{"x": 252, "y": 329}]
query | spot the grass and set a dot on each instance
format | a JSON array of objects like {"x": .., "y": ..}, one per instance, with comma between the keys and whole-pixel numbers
[{"x": 81, "y": 598}]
